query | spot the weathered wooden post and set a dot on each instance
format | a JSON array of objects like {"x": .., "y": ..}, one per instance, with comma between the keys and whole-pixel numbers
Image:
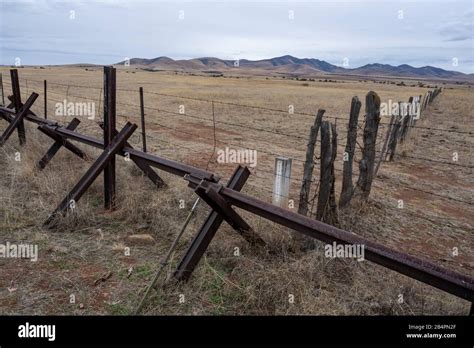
[
  {"x": 418, "y": 110},
  {"x": 281, "y": 185},
  {"x": 367, "y": 163},
  {"x": 392, "y": 144},
  {"x": 142, "y": 114},
  {"x": 384, "y": 150},
  {"x": 333, "y": 218},
  {"x": 415, "y": 113},
  {"x": 109, "y": 133},
  {"x": 348, "y": 156},
  {"x": 428, "y": 99},
  {"x": 406, "y": 119},
  {"x": 327, "y": 209},
  {"x": 309, "y": 164}
]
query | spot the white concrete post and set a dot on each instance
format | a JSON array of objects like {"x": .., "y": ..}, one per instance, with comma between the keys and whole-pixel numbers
[{"x": 281, "y": 184}]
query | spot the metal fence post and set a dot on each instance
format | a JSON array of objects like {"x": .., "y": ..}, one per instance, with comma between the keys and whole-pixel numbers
[
  {"x": 17, "y": 104},
  {"x": 3, "y": 93},
  {"x": 45, "y": 100},
  {"x": 142, "y": 114},
  {"x": 109, "y": 133}
]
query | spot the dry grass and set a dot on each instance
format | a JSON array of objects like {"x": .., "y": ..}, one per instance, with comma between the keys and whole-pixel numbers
[{"x": 91, "y": 242}]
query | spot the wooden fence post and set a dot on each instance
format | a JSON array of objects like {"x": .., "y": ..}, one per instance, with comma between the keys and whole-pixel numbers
[
  {"x": 406, "y": 120},
  {"x": 415, "y": 113},
  {"x": 348, "y": 157},
  {"x": 333, "y": 218},
  {"x": 309, "y": 164},
  {"x": 326, "y": 209},
  {"x": 109, "y": 133},
  {"x": 417, "y": 106},
  {"x": 367, "y": 163},
  {"x": 384, "y": 150},
  {"x": 392, "y": 144}
]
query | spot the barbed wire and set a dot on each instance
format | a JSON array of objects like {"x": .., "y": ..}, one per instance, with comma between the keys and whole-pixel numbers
[
  {"x": 247, "y": 106},
  {"x": 340, "y": 170},
  {"x": 423, "y": 217},
  {"x": 191, "y": 116},
  {"x": 273, "y": 154},
  {"x": 417, "y": 189},
  {"x": 257, "y": 129},
  {"x": 219, "y": 141},
  {"x": 360, "y": 127},
  {"x": 292, "y": 179}
]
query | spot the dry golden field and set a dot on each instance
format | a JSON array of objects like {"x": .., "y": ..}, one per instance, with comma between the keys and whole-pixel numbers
[{"x": 90, "y": 243}]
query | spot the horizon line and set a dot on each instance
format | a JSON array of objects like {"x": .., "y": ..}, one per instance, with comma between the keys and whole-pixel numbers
[
  {"x": 242, "y": 59},
  {"x": 289, "y": 55}
]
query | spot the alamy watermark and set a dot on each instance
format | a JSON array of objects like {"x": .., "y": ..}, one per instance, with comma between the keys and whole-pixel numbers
[
  {"x": 66, "y": 108},
  {"x": 37, "y": 331},
  {"x": 229, "y": 155},
  {"x": 20, "y": 251},
  {"x": 400, "y": 108},
  {"x": 355, "y": 251}
]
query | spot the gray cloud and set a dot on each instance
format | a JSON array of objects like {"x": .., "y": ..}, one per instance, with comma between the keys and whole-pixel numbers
[
  {"x": 103, "y": 32},
  {"x": 459, "y": 38},
  {"x": 461, "y": 28}
]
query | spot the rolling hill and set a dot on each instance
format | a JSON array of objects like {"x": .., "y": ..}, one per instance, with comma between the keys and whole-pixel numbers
[{"x": 289, "y": 65}]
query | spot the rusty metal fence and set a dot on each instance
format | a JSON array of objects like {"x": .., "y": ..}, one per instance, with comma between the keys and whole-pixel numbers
[{"x": 221, "y": 199}]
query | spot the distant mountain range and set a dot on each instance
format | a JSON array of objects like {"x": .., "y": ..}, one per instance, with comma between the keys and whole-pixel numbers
[{"x": 289, "y": 65}]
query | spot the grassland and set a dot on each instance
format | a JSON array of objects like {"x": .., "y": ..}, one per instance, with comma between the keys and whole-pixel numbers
[{"x": 91, "y": 242}]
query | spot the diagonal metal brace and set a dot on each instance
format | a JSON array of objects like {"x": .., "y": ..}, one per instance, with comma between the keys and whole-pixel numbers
[
  {"x": 212, "y": 197},
  {"x": 18, "y": 119},
  {"x": 208, "y": 229},
  {"x": 59, "y": 142},
  {"x": 148, "y": 170},
  {"x": 7, "y": 117},
  {"x": 93, "y": 172},
  {"x": 143, "y": 165}
]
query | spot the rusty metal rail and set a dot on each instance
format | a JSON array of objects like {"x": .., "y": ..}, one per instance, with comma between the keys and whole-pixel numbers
[
  {"x": 170, "y": 166},
  {"x": 414, "y": 267},
  {"x": 223, "y": 199}
]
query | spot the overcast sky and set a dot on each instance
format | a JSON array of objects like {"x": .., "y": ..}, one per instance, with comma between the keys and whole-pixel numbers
[{"x": 438, "y": 33}]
